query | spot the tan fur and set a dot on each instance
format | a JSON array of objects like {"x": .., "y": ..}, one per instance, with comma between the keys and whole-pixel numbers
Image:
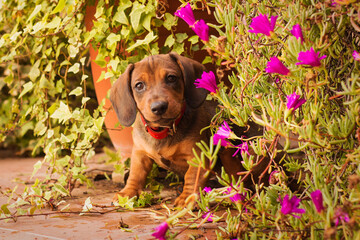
[{"x": 172, "y": 152}]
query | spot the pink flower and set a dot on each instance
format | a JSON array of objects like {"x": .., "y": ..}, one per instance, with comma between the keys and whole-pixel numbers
[
  {"x": 207, "y": 81},
  {"x": 310, "y": 58},
  {"x": 290, "y": 206},
  {"x": 186, "y": 14},
  {"x": 356, "y": 55},
  {"x": 276, "y": 66},
  {"x": 222, "y": 134},
  {"x": 317, "y": 199},
  {"x": 297, "y": 32},
  {"x": 294, "y": 101},
  {"x": 224, "y": 142},
  {"x": 208, "y": 215},
  {"x": 243, "y": 148},
  {"x": 340, "y": 216},
  {"x": 207, "y": 189},
  {"x": 201, "y": 29},
  {"x": 224, "y": 130},
  {"x": 160, "y": 231},
  {"x": 238, "y": 197},
  {"x": 261, "y": 24}
]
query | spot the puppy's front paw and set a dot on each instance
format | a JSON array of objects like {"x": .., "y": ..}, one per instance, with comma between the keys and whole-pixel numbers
[
  {"x": 124, "y": 193},
  {"x": 186, "y": 200}
]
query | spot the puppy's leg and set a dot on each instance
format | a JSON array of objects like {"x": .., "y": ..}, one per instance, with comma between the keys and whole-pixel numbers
[
  {"x": 140, "y": 167},
  {"x": 232, "y": 165},
  {"x": 190, "y": 184}
]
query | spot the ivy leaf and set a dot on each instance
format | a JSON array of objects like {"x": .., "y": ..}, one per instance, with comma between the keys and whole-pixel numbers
[
  {"x": 59, "y": 7},
  {"x": 62, "y": 113},
  {"x": 60, "y": 189},
  {"x": 54, "y": 23},
  {"x": 146, "y": 41},
  {"x": 77, "y": 91},
  {"x": 113, "y": 38},
  {"x": 5, "y": 209},
  {"x": 27, "y": 87},
  {"x": 170, "y": 40},
  {"x": 120, "y": 15},
  {"x": 135, "y": 16},
  {"x": 34, "y": 13},
  {"x": 37, "y": 166},
  {"x": 34, "y": 71},
  {"x": 170, "y": 21},
  {"x": 74, "y": 68}
]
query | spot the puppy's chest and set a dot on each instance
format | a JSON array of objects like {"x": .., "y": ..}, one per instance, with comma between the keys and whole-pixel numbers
[{"x": 171, "y": 158}]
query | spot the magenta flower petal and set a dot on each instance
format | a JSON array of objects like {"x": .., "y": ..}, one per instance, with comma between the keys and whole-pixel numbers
[
  {"x": 261, "y": 24},
  {"x": 310, "y": 58},
  {"x": 207, "y": 189},
  {"x": 340, "y": 216},
  {"x": 186, "y": 14},
  {"x": 201, "y": 29},
  {"x": 356, "y": 56},
  {"x": 238, "y": 197},
  {"x": 243, "y": 148},
  {"x": 317, "y": 199},
  {"x": 276, "y": 66},
  {"x": 224, "y": 130},
  {"x": 160, "y": 231},
  {"x": 294, "y": 101},
  {"x": 290, "y": 206},
  {"x": 297, "y": 32},
  {"x": 207, "y": 81},
  {"x": 224, "y": 142},
  {"x": 208, "y": 215}
]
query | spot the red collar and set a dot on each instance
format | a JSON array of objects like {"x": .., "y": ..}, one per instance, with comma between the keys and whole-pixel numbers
[{"x": 155, "y": 133}]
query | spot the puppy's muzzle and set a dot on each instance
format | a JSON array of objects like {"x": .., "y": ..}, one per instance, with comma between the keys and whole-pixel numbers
[{"x": 159, "y": 107}]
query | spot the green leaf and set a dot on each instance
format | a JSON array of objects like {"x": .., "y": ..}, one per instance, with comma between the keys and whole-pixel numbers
[
  {"x": 170, "y": 21},
  {"x": 34, "y": 71},
  {"x": 62, "y": 113},
  {"x": 121, "y": 17},
  {"x": 60, "y": 189},
  {"x": 54, "y": 23},
  {"x": 180, "y": 37},
  {"x": 34, "y": 13},
  {"x": 113, "y": 38},
  {"x": 135, "y": 16},
  {"x": 77, "y": 91},
  {"x": 37, "y": 166},
  {"x": 27, "y": 87},
  {"x": 146, "y": 41},
  {"x": 74, "y": 68},
  {"x": 4, "y": 209},
  {"x": 59, "y": 7},
  {"x": 170, "y": 40}
]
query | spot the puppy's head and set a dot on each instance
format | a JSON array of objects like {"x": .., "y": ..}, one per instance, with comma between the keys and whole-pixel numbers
[{"x": 157, "y": 86}]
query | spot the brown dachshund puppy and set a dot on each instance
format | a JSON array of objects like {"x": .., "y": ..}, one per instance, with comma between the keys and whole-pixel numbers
[{"x": 158, "y": 95}]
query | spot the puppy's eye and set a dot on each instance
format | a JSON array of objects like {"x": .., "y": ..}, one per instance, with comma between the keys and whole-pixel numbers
[
  {"x": 140, "y": 86},
  {"x": 171, "y": 78}
]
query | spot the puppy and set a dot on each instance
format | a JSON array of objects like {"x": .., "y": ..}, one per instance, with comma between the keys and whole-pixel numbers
[{"x": 158, "y": 97}]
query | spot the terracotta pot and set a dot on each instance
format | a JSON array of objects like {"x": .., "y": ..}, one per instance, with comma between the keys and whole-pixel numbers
[{"x": 121, "y": 138}]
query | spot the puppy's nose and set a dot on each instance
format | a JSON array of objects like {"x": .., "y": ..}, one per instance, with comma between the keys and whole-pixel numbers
[{"x": 159, "y": 107}]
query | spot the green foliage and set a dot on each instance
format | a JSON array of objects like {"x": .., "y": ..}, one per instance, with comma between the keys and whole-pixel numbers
[{"x": 44, "y": 77}]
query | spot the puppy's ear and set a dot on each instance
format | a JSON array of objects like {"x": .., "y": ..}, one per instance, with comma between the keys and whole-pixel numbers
[
  {"x": 122, "y": 99},
  {"x": 191, "y": 70}
]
